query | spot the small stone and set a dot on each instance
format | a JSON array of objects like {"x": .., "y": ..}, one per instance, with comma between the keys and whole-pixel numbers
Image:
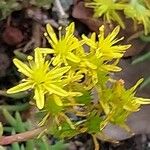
[{"x": 12, "y": 36}]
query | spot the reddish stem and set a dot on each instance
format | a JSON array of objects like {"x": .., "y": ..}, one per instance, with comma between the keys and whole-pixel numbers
[{"x": 5, "y": 140}]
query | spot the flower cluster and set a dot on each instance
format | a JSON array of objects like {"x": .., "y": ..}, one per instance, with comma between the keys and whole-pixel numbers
[
  {"x": 137, "y": 10},
  {"x": 71, "y": 83}
]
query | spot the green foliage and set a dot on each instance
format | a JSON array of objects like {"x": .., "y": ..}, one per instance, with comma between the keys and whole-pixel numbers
[
  {"x": 59, "y": 146},
  {"x": 41, "y": 3},
  {"x": 16, "y": 125},
  {"x": 137, "y": 10},
  {"x": 8, "y": 6},
  {"x": 65, "y": 131},
  {"x": 108, "y": 9},
  {"x": 93, "y": 123},
  {"x": 85, "y": 98}
]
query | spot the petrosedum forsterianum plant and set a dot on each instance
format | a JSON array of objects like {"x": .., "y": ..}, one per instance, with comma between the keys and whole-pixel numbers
[
  {"x": 137, "y": 10},
  {"x": 72, "y": 88},
  {"x": 108, "y": 9}
]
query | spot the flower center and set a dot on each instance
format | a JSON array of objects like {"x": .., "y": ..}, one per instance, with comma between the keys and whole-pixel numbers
[
  {"x": 62, "y": 47},
  {"x": 39, "y": 74}
]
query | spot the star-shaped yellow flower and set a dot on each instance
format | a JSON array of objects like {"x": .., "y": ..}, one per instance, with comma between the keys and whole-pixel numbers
[
  {"x": 63, "y": 47},
  {"x": 40, "y": 78},
  {"x": 118, "y": 103},
  {"x": 106, "y": 46},
  {"x": 139, "y": 12},
  {"x": 108, "y": 9}
]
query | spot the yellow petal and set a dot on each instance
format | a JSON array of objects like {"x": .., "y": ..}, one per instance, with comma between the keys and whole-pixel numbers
[
  {"x": 75, "y": 94},
  {"x": 90, "y": 65},
  {"x": 143, "y": 101},
  {"x": 39, "y": 97},
  {"x": 22, "y": 67},
  {"x": 46, "y": 50},
  {"x": 70, "y": 29},
  {"x": 56, "y": 73},
  {"x": 75, "y": 45},
  {"x": 93, "y": 37},
  {"x": 111, "y": 68},
  {"x": 51, "y": 33},
  {"x": 136, "y": 85},
  {"x": 73, "y": 57},
  {"x": 113, "y": 34},
  {"x": 57, "y": 60},
  {"x": 89, "y": 42},
  {"x": 57, "y": 100},
  {"x": 19, "y": 88},
  {"x": 55, "y": 89},
  {"x": 39, "y": 60}
]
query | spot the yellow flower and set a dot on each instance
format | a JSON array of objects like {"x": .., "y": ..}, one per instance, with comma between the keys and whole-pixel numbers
[
  {"x": 40, "y": 78},
  {"x": 138, "y": 11},
  {"x": 108, "y": 9},
  {"x": 103, "y": 55},
  {"x": 106, "y": 46},
  {"x": 118, "y": 103},
  {"x": 73, "y": 76},
  {"x": 63, "y": 47}
]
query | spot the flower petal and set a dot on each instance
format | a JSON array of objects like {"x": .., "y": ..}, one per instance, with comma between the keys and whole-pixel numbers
[
  {"x": 39, "y": 60},
  {"x": 57, "y": 100},
  {"x": 21, "y": 87},
  {"x": 142, "y": 101},
  {"x": 112, "y": 68},
  {"x": 56, "y": 73},
  {"x": 89, "y": 42},
  {"x": 57, "y": 60},
  {"x": 39, "y": 97},
  {"x": 22, "y": 67},
  {"x": 73, "y": 57},
  {"x": 132, "y": 89},
  {"x": 51, "y": 33},
  {"x": 70, "y": 29},
  {"x": 46, "y": 50},
  {"x": 56, "y": 90},
  {"x": 90, "y": 65}
]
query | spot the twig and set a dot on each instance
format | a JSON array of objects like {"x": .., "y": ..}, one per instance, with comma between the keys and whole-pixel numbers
[
  {"x": 36, "y": 34},
  {"x": 60, "y": 9},
  {"x": 28, "y": 45},
  {"x": 51, "y": 22},
  {"x": 41, "y": 18},
  {"x": 5, "y": 140},
  {"x": 134, "y": 36}
]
